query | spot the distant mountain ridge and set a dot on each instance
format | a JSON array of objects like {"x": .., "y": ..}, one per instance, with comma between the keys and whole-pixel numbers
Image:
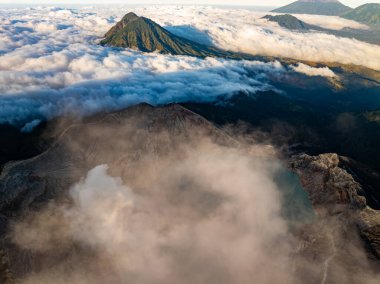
[
  {"x": 315, "y": 7},
  {"x": 368, "y": 14},
  {"x": 290, "y": 22},
  {"x": 144, "y": 34}
]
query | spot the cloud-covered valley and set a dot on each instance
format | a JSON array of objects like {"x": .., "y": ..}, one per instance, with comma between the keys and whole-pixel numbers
[{"x": 51, "y": 63}]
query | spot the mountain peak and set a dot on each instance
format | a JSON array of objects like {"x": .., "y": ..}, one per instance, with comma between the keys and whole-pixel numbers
[
  {"x": 289, "y": 22},
  {"x": 144, "y": 34},
  {"x": 130, "y": 17},
  {"x": 319, "y": 1},
  {"x": 315, "y": 7}
]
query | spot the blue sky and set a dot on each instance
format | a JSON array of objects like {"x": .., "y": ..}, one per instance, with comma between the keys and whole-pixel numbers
[{"x": 352, "y": 3}]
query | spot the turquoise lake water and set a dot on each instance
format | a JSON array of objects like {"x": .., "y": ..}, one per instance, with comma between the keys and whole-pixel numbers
[{"x": 296, "y": 207}]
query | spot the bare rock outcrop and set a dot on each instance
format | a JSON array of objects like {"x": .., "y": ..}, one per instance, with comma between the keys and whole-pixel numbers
[
  {"x": 328, "y": 185},
  {"x": 335, "y": 193}
]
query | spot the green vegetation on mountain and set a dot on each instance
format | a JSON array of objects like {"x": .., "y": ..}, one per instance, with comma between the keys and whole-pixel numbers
[
  {"x": 368, "y": 14},
  {"x": 315, "y": 7},
  {"x": 145, "y": 35}
]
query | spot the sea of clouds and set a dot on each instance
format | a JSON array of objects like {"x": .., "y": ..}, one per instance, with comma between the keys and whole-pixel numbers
[
  {"x": 207, "y": 214},
  {"x": 245, "y": 31},
  {"x": 51, "y": 63}
]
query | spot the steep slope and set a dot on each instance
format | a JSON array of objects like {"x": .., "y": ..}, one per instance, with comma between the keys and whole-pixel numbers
[
  {"x": 314, "y": 7},
  {"x": 368, "y": 14},
  {"x": 143, "y": 34}
]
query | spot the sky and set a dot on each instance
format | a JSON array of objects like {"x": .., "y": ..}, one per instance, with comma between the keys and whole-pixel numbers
[{"x": 352, "y": 3}]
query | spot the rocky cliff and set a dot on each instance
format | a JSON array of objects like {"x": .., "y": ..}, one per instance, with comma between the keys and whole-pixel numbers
[{"x": 335, "y": 193}]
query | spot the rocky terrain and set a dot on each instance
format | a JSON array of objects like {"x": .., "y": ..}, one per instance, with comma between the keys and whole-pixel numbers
[
  {"x": 333, "y": 192},
  {"x": 343, "y": 213}
]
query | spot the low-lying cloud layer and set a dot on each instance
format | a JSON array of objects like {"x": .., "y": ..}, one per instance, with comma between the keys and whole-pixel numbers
[
  {"x": 115, "y": 80},
  {"x": 245, "y": 31},
  {"x": 330, "y": 22},
  {"x": 51, "y": 63},
  {"x": 312, "y": 71}
]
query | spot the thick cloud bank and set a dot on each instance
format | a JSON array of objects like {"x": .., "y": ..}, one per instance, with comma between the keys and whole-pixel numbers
[
  {"x": 245, "y": 31},
  {"x": 330, "y": 22},
  {"x": 51, "y": 64}
]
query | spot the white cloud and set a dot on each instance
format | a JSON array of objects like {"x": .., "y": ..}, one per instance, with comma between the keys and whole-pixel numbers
[
  {"x": 245, "y": 31},
  {"x": 313, "y": 71},
  {"x": 51, "y": 63},
  {"x": 48, "y": 71},
  {"x": 116, "y": 79},
  {"x": 99, "y": 192},
  {"x": 330, "y": 22}
]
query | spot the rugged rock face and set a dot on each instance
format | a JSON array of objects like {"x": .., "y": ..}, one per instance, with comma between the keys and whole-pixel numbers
[
  {"x": 369, "y": 225},
  {"x": 334, "y": 193},
  {"x": 328, "y": 185}
]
